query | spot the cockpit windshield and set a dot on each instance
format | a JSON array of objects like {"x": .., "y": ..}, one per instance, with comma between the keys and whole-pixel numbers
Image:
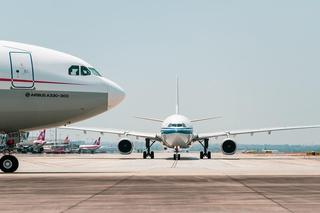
[
  {"x": 177, "y": 125},
  {"x": 94, "y": 71},
  {"x": 77, "y": 70}
]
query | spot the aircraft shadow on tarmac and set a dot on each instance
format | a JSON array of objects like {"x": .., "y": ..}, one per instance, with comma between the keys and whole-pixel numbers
[{"x": 183, "y": 158}]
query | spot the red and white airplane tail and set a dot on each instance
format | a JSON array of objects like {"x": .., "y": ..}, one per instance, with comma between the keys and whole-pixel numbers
[
  {"x": 41, "y": 139},
  {"x": 42, "y": 135},
  {"x": 66, "y": 140},
  {"x": 97, "y": 142}
]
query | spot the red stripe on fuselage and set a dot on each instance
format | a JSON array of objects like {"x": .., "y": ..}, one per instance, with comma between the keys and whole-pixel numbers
[{"x": 40, "y": 82}]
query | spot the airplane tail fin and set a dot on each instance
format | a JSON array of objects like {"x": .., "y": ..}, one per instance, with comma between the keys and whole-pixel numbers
[
  {"x": 97, "y": 142},
  {"x": 177, "y": 96},
  {"x": 42, "y": 135},
  {"x": 66, "y": 140}
]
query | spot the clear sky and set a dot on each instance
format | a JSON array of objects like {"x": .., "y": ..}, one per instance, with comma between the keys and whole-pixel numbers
[{"x": 256, "y": 63}]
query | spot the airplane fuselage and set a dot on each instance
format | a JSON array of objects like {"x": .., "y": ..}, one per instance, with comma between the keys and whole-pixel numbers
[
  {"x": 89, "y": 147},
  {"x": 42, "y": 88},
  {"x": 177, "y": 132}
]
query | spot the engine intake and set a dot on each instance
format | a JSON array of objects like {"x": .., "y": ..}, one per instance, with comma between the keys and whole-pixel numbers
[
  {"x": 228, "y": 147},
  {"x": 125, "y": 146}
]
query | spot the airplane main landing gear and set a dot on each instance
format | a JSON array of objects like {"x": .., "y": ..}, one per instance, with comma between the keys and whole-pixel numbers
[
  {"x": 9, "y": 163},
  {"x": 205, "y": 152},
  {"x": 148, "y": 153}
]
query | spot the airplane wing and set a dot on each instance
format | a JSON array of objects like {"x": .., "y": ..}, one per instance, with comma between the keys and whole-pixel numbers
[
  {"x": 143, "y": 135},
  {"x": 250, "y": 131},
  {"x": 118, "y": 132}
]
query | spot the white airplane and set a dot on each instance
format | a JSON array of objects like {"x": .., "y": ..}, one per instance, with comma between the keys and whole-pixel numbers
[
  {"x": 43, "y": 88},
  {"x": 91, "y": 147},
  {"x": 177, "y": 132}
]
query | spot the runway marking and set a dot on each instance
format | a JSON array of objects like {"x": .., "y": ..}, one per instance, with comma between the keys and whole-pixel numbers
[
  {"x": 98, "y": 193},
  {"x": 174, "y": 165},
  {"x": 260, "y": 193}
]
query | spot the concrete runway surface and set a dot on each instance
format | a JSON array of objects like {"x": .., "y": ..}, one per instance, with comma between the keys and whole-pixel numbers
[{"x": 115, "y": 183}]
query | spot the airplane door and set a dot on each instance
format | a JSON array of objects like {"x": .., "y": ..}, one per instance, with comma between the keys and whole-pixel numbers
[{"x": 22, "y": 75}]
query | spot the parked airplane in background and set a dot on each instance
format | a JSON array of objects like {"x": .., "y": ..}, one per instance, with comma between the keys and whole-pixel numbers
[
  {"x": 177, "y": 133},
  {"x": 66, "y": 140},
  {"x": 92, "y": 148},
  {"x": 41, "y": 140},
  {"x": 45, "y": 88}
]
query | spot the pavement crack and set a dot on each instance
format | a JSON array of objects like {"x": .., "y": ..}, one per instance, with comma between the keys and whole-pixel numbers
[
  {"x": 261, "y": 194},
  {"x": 98, "y": 193}
]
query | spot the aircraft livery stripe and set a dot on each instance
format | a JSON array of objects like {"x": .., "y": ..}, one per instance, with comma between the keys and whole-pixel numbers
[
  {"x": 176, "y": 130},
  {"x": 41, "y": 82}
]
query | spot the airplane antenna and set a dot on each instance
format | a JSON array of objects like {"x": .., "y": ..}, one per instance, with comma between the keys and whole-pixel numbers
[{"x": 177, "y": 96}]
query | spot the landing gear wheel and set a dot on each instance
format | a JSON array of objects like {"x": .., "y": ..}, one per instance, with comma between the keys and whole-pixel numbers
[
  {"x": 148, "y": 152},
  {"x": 209, "y": 155},
  {"x": 205, "y": 152},
  {"x": 176, "y": 156},
  {"x": 9, "y": 163}
]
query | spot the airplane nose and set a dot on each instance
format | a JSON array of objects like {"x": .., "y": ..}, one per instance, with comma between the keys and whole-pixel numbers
[{"x": 116, "y": 95}]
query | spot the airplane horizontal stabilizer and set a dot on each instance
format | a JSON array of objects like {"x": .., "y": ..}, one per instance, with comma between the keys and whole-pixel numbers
[
  {"x": 204, "y": 119},
  {"x": 149, "y": 119}
]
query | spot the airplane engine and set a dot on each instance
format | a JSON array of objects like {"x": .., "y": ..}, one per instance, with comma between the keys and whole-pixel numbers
[
  {"x": 228, "y": 147},
  {"x": 125, "y": 146}
]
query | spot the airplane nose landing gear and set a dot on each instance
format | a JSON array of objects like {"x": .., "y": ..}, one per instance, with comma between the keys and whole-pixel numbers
[{"x": 176, "y": 155}]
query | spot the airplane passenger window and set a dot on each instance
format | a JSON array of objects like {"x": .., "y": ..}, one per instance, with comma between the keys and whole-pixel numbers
[
  {"x": 74, "y": 70},
  {"x": 85, "y": 71}
]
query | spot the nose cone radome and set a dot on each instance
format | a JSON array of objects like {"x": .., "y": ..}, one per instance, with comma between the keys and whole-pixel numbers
[{"x": 116, "y": 95}]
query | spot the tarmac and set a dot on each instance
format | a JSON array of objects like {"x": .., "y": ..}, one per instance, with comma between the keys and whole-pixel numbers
[{"x": 117, "y": 183}]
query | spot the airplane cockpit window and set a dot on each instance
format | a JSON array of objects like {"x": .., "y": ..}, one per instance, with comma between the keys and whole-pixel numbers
[
  {"x": 74, "y": 70},
  {"x": 85, "y": 71},
  {"x": 181, "y": 125},
  {"x": 94, "y": 71},
  {"x": 177, "y": 125}
]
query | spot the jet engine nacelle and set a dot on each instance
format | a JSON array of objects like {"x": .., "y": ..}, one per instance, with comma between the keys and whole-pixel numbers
[
  {"x": 228, "y": 147},
  {"x": 125, "y": 146}
]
